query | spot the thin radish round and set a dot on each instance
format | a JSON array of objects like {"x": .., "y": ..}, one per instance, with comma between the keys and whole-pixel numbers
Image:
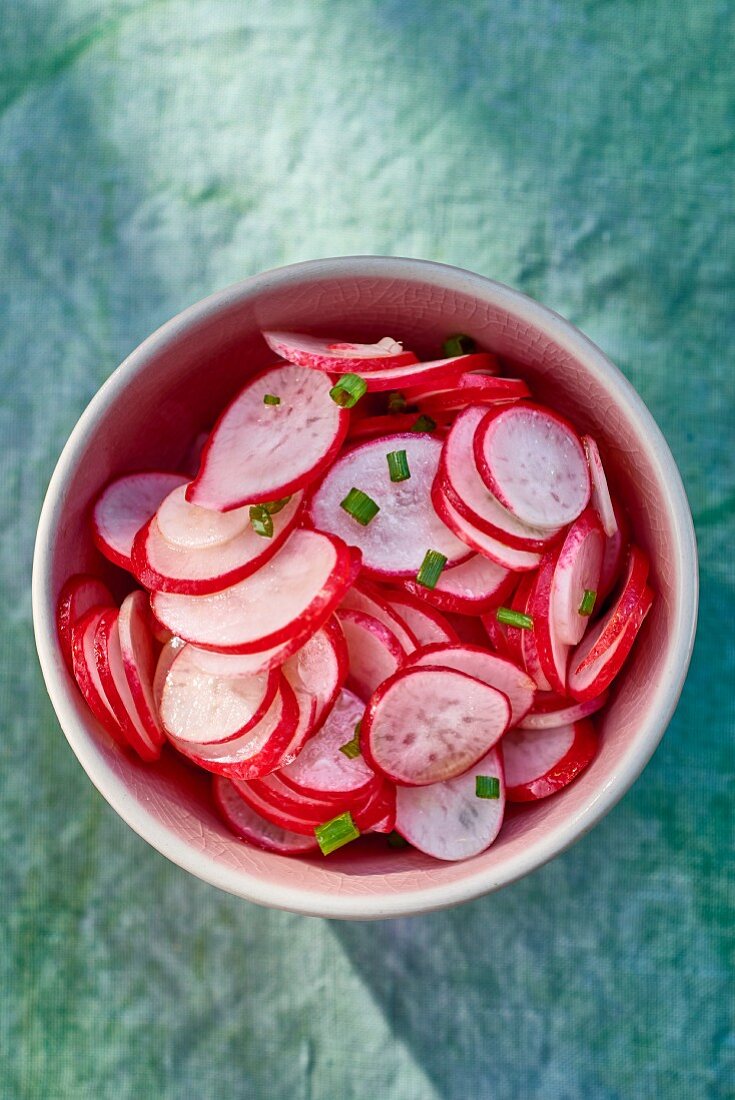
[
  {"x": 428, "y": 724},
  {"x": 473, "y": 389},
  {"x": 521, "y": 642},
  {"x": 496, "y": 633},
  {"x": 366, "y": 598},
  {"x": 112, "y": 674},
  {"x": 302, "y": 823},
  {"x": 79, "y": 594},
  {"x": 436, "y": 372},
  {"x": 369, "y": 427},
  {"x": 162, "y": 567},
  {"x": 290, "y": 597},
  {"x": 631, "y": 591},
  {"x": 189, "y": 527},
  {"x": 532, "y": 460},
  {"x": 558, "y": 712},
  {"x": 123, "y": 507},
  {"x": 588, "y": 678},
  {"x": 338, "y": 356},
  {"x": 274, "y": 791},
  {"x": 86, "y": 674},
  {"x": 317, "y": 673},
  {"x": 614, "y": 554},
  {"x": 577, "y": 571},
  {"x": 139, "y": 660},
  {"x": 166, "y": 658},
  {"x": 241, "y": 664},
  {"x": 244, "y": 822},
  {"x": 425, "y": 623},
  {"x": 259, "y": 452},
  {"x": 540, "y": 762},
  {"x": 447, "y": 820},
  {"x": 377, "y": 814},
  {"x": 600, "y": 493},
  {"x": 375, "y": 652},
  {"x": 395, "y": 541},
  {"x": 320, "y": 768},
  {"x": 479, "y": 541},
  {"x": 553, "y": 653},
  {"x": 479, "y": 663},
  {"x": 469, "y": 588}
]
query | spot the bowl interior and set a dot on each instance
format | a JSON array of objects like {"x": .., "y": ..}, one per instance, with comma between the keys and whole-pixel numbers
[{"x": 175, "y": 384}]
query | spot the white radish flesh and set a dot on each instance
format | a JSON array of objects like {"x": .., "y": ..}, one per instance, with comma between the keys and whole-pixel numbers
[
  {"x": 540, "y": 762},
  {"x": 117, "y": 689},
  {"x": 249, "y": 825},
  {"x": 600, "y": 492},
  {"x": 496, "y": 671},
  {"x": 563, "y": 713},
  {"x": 506, "y": 556},
  {"x": 588, "y": 678},
  {"x": 86, "y": 672},
  {"x": 320, "y": 767},
  {"x": 577, "y": 571},
  {"x": 193, "y": 528},
  {"x": 337, "y": 356},
  {"x": 435, "y": 372},
  {"x": 316, "y": 673},
  {"x": 166, "y": 658},
  {"x": 553, "y": 653},
  {"x": 124, "y": 506},
  {"x": 374, "y": 651}
]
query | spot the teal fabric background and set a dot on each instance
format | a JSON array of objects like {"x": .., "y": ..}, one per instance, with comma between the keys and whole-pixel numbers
[{"x": 581, "y": 150}]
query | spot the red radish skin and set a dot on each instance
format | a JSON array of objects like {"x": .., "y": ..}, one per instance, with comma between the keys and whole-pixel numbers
[
  {"x": 614, "y": 554},
  {"x": 370, "y": 427},
  {"x": 162, "y": 567},
  {"x": 466, "y": 589},
  {"x": 189, "y": 527},
  {"x": 367, "y": 598},
  {"x": 300, "y": 823},
  {"x": 272, "y": 790},
  {"x": 259, "y": 453},
  {"x": 601, "y": 500},
  {"x": 241, "y": 664},
  {"x": 427, "y": 724},
  {"x": 338, "y": 356},
  {"x": 474, "y": 389},
  {"x": 425, "y": 623},
  {"x": 562, "y": 712},
  {"x": 111, "y": 670},
  {"x": 79, "y": 594},
  {"x": 436, "y": 372},
  {"x": 631, "y": 592},
  {"x": 374, "y": 651},
  {"x": 123, "y": 507},
  {"x": 514, "y": 635},
  {"x": 577, "y": 570},
  {"x": 506, "y": 556},
  {"x": 447, "y": 820},
  {"x": 533, "y": 462},
  {"x": 83, "y": 633},
  {"x": 320, "y": 768},
  {"x": 288, "y": 599},
  {"x": 139, "y": 660},
  {"x": 523, "y": 643},
  {"x": 395, "y": 542},
  {"x": 539, "y": 763},
  {"x": 317, "y": 673},
  {"x": 588, "y": 679},
  {"x": 553, "y": 654},
  {"x": 496, "y": 634},
  {"x": 515, "y": 684},
  {"x": 246, "y": 824}
]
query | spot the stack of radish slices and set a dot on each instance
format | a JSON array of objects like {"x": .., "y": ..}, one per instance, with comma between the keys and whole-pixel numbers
[{"x": 388, "y": 601}]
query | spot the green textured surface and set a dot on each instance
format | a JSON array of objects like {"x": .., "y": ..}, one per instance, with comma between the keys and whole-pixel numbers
[{"x": 581, "y": 151}]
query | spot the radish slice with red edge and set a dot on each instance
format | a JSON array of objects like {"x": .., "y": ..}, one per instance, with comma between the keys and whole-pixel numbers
[
  {"x": 546, "y": 714},
  {"x": 302, "y": 823},
  {"x": 245, "y": 823},
  {"x": 435, "y": 372},
  {"x": 522, "y": 642},
  {"x": 375, "y": 652},
  {"x": 378, "y": 813},
  {"x": 317, "y": 673},
  {"x": 86, "y": 674},
  {"x": 425, "y": 623},
  {"x": 600, "y": 493},
  {"x": 473, "y": 389},
  {"x": 447, "y": 820},
  {"x": 427, "y": 724},
  {"x": 369, "y": 427},
  {"x": 259, "y": 452},
  {"x": 162, "y": 567},
  {"x": 166, "y": 658},
  {"x": 394, "y": 543},
  {"x": 553, "y": 653},
  {"x": 614, "y": 554},
  {"x": 366, "y": 598},
  {"x": 189, "y": 527},
  {"x": 139, "y": 660},
  {"x": 515, "y": 684},
  {"x": 588, "y": 678},
  {"x": 109, "y": 661},
  {"x": 577, "y": 571},
  {"x": 631, "y": 591},
  {"x": 321, "y": 768},
  {"x": 273, "y": 791},
  {"x": 533, "y": 462},
  {"x": 287, "y": 599},
  {"x": 123, "y": 507},
  {"x": 338, "y": 356},
  {"x": 539, "y": 763},
  {"x": 479, "y": 541},
  {"x": 469, "y": 588},
  {"x": 78, "y": 596}
]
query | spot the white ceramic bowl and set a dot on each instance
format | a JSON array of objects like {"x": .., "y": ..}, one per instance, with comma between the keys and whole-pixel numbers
[{"x": 174, "y": 383}]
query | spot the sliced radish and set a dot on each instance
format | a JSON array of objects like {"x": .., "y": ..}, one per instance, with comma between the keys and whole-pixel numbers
[
  {"x": 338, "y": 356},
  {"x": 289, "y": 598},
  {"x": 468, "y": 494},
  {"x": 83, "y": 633},
  {"x": 473, "y": 389},
  {"x": 556, "y": 711},
  {"x": 614, "y": 554},
  {"x": 532, "y": 460},
  {"x": 600, "y": 492},
  {"x": 588, "y": 678},
  {"x": 479, "y": 541},
  {"x": 631, "y": 591},
  {"x": 80, "y": 594},
  {"x": 447, "y": 820},
  {"x": 320, "y": 768},
  {"x": 369, "y": 427},
  {"x": 479, "y": 663},
  {"x": 496, "y": 633},
  {"x": 139, "y": 660},
  {"x": 522, "y": 643},
  {"x": 272, "y": 790},
  {"x": 436, "y": 372},
  {"x": 366, "y": 597},
  {"x": 540, "y": 762},
  {"x": 189, "y": 527},
  {"x": 249, "y": 825},
  {"x": 553, "y": 653},
  {"x": 469, "y": 588},
  {"x": 123, "y": 507},
  {"x": 166, "y": 658},
  {"x": 259, "y": 453},
  {"x": 577, "y": 571},
  {"x": 378, "y": 813},
  {"x": 112, "y": 674},
  {"x": 375, "y": 652},
  {"x": 317, "y": 673},
  {"x": 303, "y": 823},
  {"x": 396, "y": 540},
  {"x": 428, "y": 724},
  {"x": 426, "y": 624},
  {"x": 163, "y": 567}
]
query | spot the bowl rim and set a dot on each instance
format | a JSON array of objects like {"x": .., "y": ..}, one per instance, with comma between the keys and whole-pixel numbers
[{"x": 321, "y": 902}]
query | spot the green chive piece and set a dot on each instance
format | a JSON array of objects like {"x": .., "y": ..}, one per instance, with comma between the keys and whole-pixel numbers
[
  {"x": 431, "y": 568},
  {"x": 352, "y": 748},
  {"x": 487, "y": 786},
  {"x": 360, "y": 506},
  {"x": 348, "y": 391},
  {"x": 423, "y": 424},
  {"x": 587, "y": 605},
  {"x": 395, "y": 840},
  {"x": 274, "y": 506},
  {"x": 336, "y": 833},
  {"x": 396, "y": 402},
  {"x": 271, "y": 399},
  {"x": 398, "y": 466},
  {"x": 514, "y": 618},
  {"x": 261, "y": 521},
  {"x": 458, "y": 345}
]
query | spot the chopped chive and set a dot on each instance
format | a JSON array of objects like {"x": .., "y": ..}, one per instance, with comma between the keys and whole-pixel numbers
[
  {"x": 271, "y": 399},
  {"x": 398, "y": 466},
  {"x": 260, "y": 521},
  {"x": 360, "y": 506},
  {"x": 487, "y": 786},
  {"x": 423, "y": 424},
  {"x": 396, "y": 402},
  {"x": 514, "y": 618},
  {"x": 459, "y": 345},
  {"x": 274, "y": 506},
  {"x": 352, "y": 748},
  {"x": 431, "y": 568},
  {"x": 348, "y": 391},
  {"x": 587, "y": 605},
  {"x": 335, "y": 833},
  {"x": 395, "y": 840}
]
